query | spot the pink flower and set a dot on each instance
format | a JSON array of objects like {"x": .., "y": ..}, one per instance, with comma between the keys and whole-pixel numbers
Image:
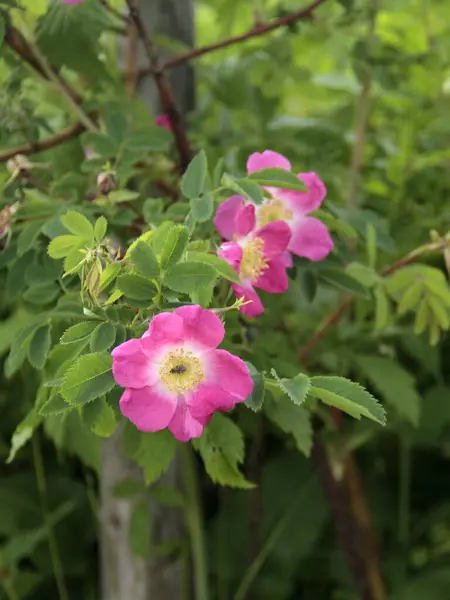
[
  {"x": 163, "y": 121},
  {"x": 257, "y": 256},
  {"x": 310, "y": 237},
  {"x": 174, "y": 376}
]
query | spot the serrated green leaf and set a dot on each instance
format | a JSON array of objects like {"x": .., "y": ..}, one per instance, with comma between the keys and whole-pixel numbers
[
  {"x": 77, "y": 224},
  {"x": 56, "y": 405},
  {"x": 203, "y": 295},
  {"x": 343, "y": 281},
  {"x": 23, "y": 433},
  {"x": 243, "y": 187},
  {"x": 348, "y": 396},
  {"x": 221, "y": 267},
  {"x": 103, "y": 337},
  {"x": 136, "y": 287},
  {"x": 154, "y": 453},
  {"x": 202, "y": 208},
  {"x": 222, "y": 450},
  {"x": 40, "y": 346},
  {"x": 100, "y": 417},
  {"x": 193, "y": 181},
  {"x": 89, "y": 378},
  {"x": 274, "y": 177},
  {"x": 27, "y": 237},
  {"x": 108, "y": 275},
  {"x": 100, "y": 228},
  {"x": 187, "y": 276},
  {"x": 150, "y": 138},
  {"x": 174, "y": 247},
  {"x": 296, "y": 388},
  {"x": 42, "y": 294},
  {"x": 256, "y": 399},
  {"x": 291, "y": 419},
  {"x": 144, "y": 260},
  {"x": 78, "y": 332},
  {"x": 60, "y": 246},
  {"x": 19, "y": 349},
  {"x": 394, "y": 383}
]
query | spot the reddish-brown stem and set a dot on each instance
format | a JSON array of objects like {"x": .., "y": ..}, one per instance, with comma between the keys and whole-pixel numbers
[
  {"x": 30, "y": 148},
  {"x": 257, "y": 30},
  {"x": 163, "y": 85}
]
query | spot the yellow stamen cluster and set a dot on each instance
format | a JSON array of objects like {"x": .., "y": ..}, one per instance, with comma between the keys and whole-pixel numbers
[
  {"x": 253, "y": 263},
  {"x": 273, "y": 210},
  {"x": 181, "y": 371}
]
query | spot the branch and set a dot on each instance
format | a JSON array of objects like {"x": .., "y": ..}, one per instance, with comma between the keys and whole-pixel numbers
[
  {"x": 63, "y": 136},
  {"x": 259, "y": 29},
  {"x": 163, "y": 85},
  {"x": 335, "y": 317}
]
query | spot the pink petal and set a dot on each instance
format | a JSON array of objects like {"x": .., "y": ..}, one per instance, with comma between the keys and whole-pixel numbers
[
  {"x": 165, "y": 328},
  {"x": 304, "y": 202},
  {"x": 201, "y": 326},
  {"x": 245, "y": 220},
  {"x": 208, "y": 398},
  {"x": 225, "y": 215},
  {"x": 232, "y": 253},
  {"x": 268, "y": 159},
  {"x": 230, "y": 373},
  {"x": 311, "y": 239},
  {"x": 255, "y": 307},
  {"x": 287, "y": 260},
  {"x": 163, "y": 121},
  {"x": 276, "y": 237},
  {"x": 147, "y": 409},
  {"x": 183, "y": 425},
  {"x": 131, "y": 367},
  {"x": 274, "y": 279}
]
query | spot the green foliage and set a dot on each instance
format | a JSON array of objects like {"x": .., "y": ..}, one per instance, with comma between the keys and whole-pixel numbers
[
  {"x": 152, "y": 451},
  {"x": 87, "y": 379}
]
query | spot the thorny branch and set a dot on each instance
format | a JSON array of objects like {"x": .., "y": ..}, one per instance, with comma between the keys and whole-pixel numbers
[{"x": 163, "y": 85}]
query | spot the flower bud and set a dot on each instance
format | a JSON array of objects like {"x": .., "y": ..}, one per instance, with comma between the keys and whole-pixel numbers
[{"x": 106, "y": 183}]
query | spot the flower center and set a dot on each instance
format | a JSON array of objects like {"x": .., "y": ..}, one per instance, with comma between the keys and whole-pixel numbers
[
  {"x": 274, "y": 210},
  {"x": 253, "y": 263},
  {"x": 181, "y": 371}
]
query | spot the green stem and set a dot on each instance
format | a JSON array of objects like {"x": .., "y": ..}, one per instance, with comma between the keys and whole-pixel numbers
[
  {"x": 252, "y": 572},
  {"x": 404, "y": 491},
  {"x": 194, "y": 523},
  {"x": 52, "y": 543}
]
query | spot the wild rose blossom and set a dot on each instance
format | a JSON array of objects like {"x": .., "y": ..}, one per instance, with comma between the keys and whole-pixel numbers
[
  {"x": 257, "y": 257},
  {"x": 163, "y": 121},
  {"x": 175, "y": 377},
  {"x": 310, "y": 237}
]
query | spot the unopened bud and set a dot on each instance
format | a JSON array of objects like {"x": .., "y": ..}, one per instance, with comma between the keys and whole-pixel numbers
[
  {"x": 18, "y": 163},
  {"x": 106, "y": 183}
]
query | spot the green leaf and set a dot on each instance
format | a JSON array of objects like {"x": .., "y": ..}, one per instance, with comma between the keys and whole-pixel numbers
[
  {"x": 343, "y": 281},
  {"x": 103, "y": 337},
  {"x": 23, "y": 433},
  {"x": 56, "y": 405},
  {"x": 78, "y": 332},
  {"x": 89, "y": 378},
  {"x": 150, "y": 138},
  {"x": 42, "y": 294},
  {"x": 136, "y": 287},
  {"x": 347, "y": 396},
  {"x": 410, "y": 298},
  {"x": 154, "y": 453},
  {"x": 256, "y": 398},
  {"x": 139, "y": 529},
  {"x": 19, "y": 349},
  {"x": 101, "y": 144},
  {"x": 100, "y": 228},
  {"x": 394, "y": 383},
  {"x": 221, "y": 267},
  {"x": 365, "y": 275},
  {"x": 100, "y": 417},
  {"x": 174, "y": 247},
  {"x": 291, "y": 419},
  {"x": 280, "y": 178},
  {"x": 40, "y": 346},
  {"x": 382, "y": 312},
  {"x": 202, "y": 208},
  {"x": 108, "y": 275},
  {"x": 27, "y": 237},
  {"x": 193, "y": 180},
  {"x": 186, "y": 277},
  {"x": 144, "y": 260},
  {"x": 77, "y": 224},
  {"x": 243, "y": 187},
  {"x": 222, "y": 450},
  {"x": 116, "y": 125},
  {"x": 123, "y": 196},
  {"x": 296, "y": 388}
]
